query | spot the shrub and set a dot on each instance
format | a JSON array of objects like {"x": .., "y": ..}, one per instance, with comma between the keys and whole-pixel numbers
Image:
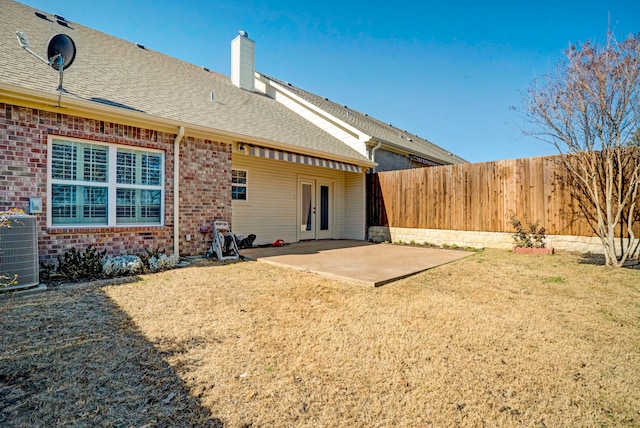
[
  {"x": 7, "y": 280},
  {"x": 122, "y": 265},
  {"x": 530, "y": 236},
  {"x": 76, "y": 265},
  {"x": 163, "y": 262}
]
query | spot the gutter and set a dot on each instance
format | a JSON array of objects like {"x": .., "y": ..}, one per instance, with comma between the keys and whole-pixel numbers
[
  {"x": 176, "y": 191},
  {"x": 11, "y": 94}
]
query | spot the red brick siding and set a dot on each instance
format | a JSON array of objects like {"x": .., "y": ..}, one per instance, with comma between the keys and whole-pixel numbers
[
  {"x": 205, "y": 189},
  {"x": 204, "y": 186}
]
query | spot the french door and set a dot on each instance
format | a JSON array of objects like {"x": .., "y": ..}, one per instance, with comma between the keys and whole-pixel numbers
[{"x": 315, "y": 215}]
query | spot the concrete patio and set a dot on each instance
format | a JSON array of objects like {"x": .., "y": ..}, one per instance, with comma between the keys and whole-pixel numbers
[{"x": 357, "y": 261}]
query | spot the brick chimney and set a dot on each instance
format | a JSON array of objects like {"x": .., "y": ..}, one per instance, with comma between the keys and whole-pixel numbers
[{"x": 243, "y": 61}]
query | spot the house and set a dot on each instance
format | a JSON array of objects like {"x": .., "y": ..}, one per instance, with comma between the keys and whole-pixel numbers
[
  {"x": 127, "y": 148},
  {"x": 390, "y": 147}
]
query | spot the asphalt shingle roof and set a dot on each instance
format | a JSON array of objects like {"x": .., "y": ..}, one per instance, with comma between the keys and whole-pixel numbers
[
  {"x": 111, "y": 71},
  {"x": 374, "y": 127}
]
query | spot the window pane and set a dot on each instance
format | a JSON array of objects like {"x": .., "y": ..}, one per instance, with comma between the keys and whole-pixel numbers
[
  {"x": 307, "y": 218},
  {"x": 138, "y": 206},
  {"x": 238, "y": 176},
  {"x": 324, "y": 207},
  {"x": 126, "y": 171},
  {"x": 239, "y": 193},
  {"x": 150, "y": 170},
  {"x": 63, "y": 204},
  {"x": 78, "y": 204},
  {"x": 63, "y": 161},
  {"x": 138, "y": 167},
  {"x": 150, "y": 208},
  {"x": 125, "y": 204},
  {"x": 95, "y": 164},
  {"x": 94, "y": 208}
]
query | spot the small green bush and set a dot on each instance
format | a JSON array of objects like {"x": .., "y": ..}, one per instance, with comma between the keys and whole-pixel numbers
[
  {"x": 75, "y": 264},
  {"x": 530, "y": 236}
]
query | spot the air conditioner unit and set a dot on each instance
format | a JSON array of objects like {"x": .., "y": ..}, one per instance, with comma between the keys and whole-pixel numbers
[{"x": 19, "y": 250}]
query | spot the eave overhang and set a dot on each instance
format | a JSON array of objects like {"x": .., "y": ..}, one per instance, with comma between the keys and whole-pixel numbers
[{"x": 17, "y": 95}]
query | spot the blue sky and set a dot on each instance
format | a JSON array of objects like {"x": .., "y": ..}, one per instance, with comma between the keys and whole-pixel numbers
[{"x": 446, "y": 71}]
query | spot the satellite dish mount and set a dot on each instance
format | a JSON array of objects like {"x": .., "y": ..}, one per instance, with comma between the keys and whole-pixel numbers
[{"x": 61, "y": 51}]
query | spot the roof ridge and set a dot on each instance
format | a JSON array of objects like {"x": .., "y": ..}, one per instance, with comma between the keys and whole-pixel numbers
[{"x": 402, "y": 134}]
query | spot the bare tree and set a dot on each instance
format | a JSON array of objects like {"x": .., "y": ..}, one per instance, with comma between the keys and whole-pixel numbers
[
  {"x": 589, "y": 109},
  {"x": 635, "y": 139}
]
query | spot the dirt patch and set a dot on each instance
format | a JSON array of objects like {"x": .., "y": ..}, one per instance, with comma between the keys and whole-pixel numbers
[{"x": 494, "y": 339}]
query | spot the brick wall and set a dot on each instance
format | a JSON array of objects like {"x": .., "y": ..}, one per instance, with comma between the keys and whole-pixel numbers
[
  {"x": 205, "y": 189},
  {"x": 204, "y": 186}
]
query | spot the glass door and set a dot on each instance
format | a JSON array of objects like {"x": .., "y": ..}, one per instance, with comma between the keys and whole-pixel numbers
[
  {"x": 315, "y": 216},
  {"x": 307, "y": 217},
  {"x": 324, "y": 211}
]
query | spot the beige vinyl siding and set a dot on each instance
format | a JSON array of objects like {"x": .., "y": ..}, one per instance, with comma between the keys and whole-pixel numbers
[
  {"x": 355, "y": 212},
  {"x": 271, "y": 208}
]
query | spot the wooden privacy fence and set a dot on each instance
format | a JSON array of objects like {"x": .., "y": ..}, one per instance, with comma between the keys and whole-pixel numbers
[{"x": 477, "y": 197}]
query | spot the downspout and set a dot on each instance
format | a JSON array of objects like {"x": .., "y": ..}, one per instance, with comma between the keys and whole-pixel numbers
[
  {"x": 176, "y": 191},
  {"x": 373, "y": 153},
  {"x": 373, "y": 159}
]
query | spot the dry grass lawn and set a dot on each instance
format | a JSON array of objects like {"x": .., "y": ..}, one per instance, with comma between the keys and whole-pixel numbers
[{"x": 495, "y": 339}]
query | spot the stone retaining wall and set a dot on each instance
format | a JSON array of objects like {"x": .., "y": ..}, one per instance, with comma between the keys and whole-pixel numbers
[{"x": 462, "y": 238}]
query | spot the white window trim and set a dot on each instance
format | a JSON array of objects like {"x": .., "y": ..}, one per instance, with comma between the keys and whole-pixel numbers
[
  {"x": 111, "y": 184},
  {"x": 246, "y": 185}
]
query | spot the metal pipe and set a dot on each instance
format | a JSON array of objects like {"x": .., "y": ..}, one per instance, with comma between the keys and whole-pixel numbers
[
  {"x": 373, "y": 153},
  {"x": 176, "y": 191}
]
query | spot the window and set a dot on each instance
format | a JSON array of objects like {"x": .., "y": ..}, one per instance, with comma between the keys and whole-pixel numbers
[
  {"x": 238, "y": 185},
  {"x": 98, "y": 184}
]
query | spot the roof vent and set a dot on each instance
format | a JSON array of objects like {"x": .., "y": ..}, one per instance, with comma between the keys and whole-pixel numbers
[
  {"x": 205, "y": 68},
  {"x": 243, "y": 33},
  {"x": 140, "y": 45},
  {"x": 63, "y": 23},
  {"x": 60, "y": 17},
  {"x": 41, "y": 15}
]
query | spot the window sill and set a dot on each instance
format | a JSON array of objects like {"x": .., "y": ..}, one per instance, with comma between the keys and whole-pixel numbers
[{"x": 61, "y": 230}]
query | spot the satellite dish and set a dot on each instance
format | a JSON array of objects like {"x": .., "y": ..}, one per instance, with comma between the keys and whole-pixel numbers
[{"x": 61, "y": 51}]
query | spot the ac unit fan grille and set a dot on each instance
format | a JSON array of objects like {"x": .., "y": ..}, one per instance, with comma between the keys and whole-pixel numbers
[{"x": 19, "y": 250}]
